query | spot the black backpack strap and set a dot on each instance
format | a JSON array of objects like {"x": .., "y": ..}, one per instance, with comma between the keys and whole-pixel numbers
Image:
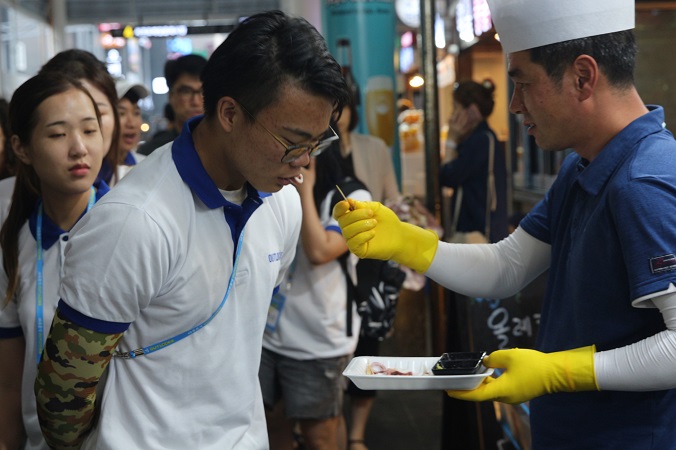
[{"x": 348, "y": 186}]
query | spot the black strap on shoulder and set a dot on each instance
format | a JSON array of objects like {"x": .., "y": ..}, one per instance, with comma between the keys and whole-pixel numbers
[
  {"x": 351, "y": 292},
  {"x": 348, "y": 186}
]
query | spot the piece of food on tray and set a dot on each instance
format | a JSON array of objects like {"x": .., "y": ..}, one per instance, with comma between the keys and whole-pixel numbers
[{"x": 376, "y": 368}]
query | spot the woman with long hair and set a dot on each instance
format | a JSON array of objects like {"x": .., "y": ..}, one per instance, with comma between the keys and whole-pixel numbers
[
  {"x": 56, "y": 136},
  {"x": 94, "y": 76}
]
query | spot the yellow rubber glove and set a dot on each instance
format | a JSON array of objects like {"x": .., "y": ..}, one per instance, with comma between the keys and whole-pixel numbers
[
  {"x": 529, "y": 374},
  {"x": 372, "y": 230}
]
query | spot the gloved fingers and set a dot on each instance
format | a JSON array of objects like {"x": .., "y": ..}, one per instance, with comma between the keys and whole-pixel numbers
[
  {"x": 498, "y": 389},
  {"x": 359, "y": 243},
  {"x": 345, "y": 206},
  {"x": 381, "y": 212},
  {"x": 355, "y": 216},
  {"x": 478, "y": 394},
  {"x": 352, "y": 228},
  {"x": 340, "y": 209},
  {"x": 500, "y": 359}
]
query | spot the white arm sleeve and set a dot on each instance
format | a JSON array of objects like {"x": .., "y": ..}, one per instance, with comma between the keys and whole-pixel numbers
[
  {"x": 647, "y": 365},
  {"x": 490, "y": 270}
]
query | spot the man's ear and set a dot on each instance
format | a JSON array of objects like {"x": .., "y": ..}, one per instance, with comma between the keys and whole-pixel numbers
[
  {"x": 586, "y": 72},
  {"x": 226, "y": 110},
  {"x": 20, "y": 150}
]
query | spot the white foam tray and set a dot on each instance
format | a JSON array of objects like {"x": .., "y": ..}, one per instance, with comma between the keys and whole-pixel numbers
[{"x": 422, "y": 378}]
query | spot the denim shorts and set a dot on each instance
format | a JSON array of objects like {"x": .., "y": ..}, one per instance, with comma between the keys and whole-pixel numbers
[{"x": 311, "y": 389}]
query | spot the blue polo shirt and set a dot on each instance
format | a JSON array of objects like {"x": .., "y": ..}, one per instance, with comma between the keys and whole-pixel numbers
[{"x": 611, "y": 225}]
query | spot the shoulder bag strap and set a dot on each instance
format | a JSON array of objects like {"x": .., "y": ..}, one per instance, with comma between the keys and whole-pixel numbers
[
  {"x": 491, "y": 203},
  {"x": 456, "y": 212}
]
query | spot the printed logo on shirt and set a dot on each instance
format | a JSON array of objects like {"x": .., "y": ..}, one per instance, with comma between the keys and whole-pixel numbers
[
  {"x": 274, "y": 257},
  {"x": 663, "y": 263}
]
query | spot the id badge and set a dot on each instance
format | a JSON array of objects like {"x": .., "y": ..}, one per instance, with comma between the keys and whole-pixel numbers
[{"x": 275, "y": 311}]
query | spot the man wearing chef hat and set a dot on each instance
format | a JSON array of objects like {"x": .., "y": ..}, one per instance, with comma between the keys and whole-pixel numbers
[{"x": 603, "y": 372}]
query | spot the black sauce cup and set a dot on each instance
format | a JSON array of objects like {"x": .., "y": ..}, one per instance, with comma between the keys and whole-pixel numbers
[{"x": 458, "y": 363}]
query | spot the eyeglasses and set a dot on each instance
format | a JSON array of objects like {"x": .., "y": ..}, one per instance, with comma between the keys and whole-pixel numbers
[
  {"x": 295, "y": 151},
  {"x": 186, "y": 92}
]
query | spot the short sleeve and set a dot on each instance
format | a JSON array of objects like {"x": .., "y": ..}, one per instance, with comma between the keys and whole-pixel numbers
[
  {"x": 645, "y": 217},
  {"x": 116, "y": 261}
]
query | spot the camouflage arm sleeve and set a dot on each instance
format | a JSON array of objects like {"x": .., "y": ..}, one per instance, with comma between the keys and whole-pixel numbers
[{"x": 65, "y": 388}]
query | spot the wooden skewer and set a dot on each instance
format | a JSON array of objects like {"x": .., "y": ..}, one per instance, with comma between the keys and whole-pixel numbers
[{"x": 341, "y": 193}]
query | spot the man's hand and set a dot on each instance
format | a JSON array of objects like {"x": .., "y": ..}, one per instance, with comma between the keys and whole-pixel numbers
[
  {"x": 374, "y": 231},
  {"x": 529, "y": 374}
]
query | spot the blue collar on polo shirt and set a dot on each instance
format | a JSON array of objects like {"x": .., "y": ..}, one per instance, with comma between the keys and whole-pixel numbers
[
  {"x": 596, "y": 174},
  {"x": 129, "y": 159},
  {"x": 194, "y": 174},
  {"x": 50, "y": 231}
]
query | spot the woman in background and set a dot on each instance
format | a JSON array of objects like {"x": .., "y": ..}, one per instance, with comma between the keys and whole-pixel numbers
[
  {"x": 472, "y": 139},
  {"x": 307, "y": 348},
  {"x": 368, "y": 159},
  {"x": 56, "y": 136}
]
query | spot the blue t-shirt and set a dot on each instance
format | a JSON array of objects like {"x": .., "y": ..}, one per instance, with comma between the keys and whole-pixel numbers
[{"x": 611, "y": 225}]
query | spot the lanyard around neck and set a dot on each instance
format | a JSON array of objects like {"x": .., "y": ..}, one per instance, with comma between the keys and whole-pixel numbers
[
  {"x": 167, "y": 342},
  {"x": 39, "y": 284}
]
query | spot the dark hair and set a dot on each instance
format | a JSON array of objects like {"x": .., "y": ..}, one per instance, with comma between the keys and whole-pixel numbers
[
  {"x": 169, "y": 112},
  {"x": 615, "y": 53},
  {"x": 9, "y": 161},
  {"x": 132, "y": 96},
  {"x": 82, "y": 65},
  {"x": 23, "y": 117},
  {"x": 468, "y": 92},
  {"x": 354, "y": 113},
  {"x": 265, "y": 51},
  {"x": 192, "y": 65},
  {"x": 330, "y": 170}
]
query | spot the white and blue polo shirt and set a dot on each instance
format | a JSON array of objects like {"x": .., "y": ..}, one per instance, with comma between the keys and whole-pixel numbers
[
  {"x": 18, "y": 317},
  {"x": 313, "y": 321},
  {"x": 156, "y": 255},
  {"x": 612, "y": 227}
]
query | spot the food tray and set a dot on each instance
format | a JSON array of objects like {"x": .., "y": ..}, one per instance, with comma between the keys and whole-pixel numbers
[{"x": 422, "y": 378}]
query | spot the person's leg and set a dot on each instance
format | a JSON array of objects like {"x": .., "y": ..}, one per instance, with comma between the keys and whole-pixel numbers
[
  {"x": 342, "y": 432},
  {"x": 280, "y": 434},
  {"x": 313, "y": 394},
  {"x": 361, "y": 402},
  {"x": 280, "y": 429},
  {"x": 360, "y": 409},
  {"x": 320, "y": 434}
]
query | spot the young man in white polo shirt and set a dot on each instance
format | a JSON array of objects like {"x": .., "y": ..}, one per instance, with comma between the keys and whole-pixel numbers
[{"x": 174, "y": 274}]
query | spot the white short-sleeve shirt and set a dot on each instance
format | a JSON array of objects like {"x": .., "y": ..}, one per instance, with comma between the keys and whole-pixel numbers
[
  {"x": 313, "y": 321},
  {"x": 157, "y": 252},
  {"x": 18, "y": 317}
]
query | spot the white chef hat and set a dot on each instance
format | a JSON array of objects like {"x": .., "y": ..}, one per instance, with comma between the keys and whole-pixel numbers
[{"x": 526, "y": 24}]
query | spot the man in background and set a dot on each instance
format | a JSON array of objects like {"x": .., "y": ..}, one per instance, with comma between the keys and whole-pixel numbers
[{"x": 185, "y": 98}]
